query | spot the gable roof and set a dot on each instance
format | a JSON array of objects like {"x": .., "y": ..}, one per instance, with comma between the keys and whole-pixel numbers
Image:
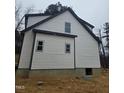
[
  {"x": 41, "y": 14},
  {"x": 85, "y": 24}
]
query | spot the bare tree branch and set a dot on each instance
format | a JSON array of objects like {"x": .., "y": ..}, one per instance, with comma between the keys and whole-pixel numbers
[{"x": 19, "y": 18}]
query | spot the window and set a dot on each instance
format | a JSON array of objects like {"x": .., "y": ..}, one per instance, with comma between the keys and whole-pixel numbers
[
  {"x": 40, "y": 45},
  {"x": 67, "y": 48},
  {"x": 88, "y": 71},
  {"x": 67, "y": 27}
]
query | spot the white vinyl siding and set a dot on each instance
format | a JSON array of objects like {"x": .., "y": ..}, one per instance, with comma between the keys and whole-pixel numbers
[
  {"x": 25, "y": 56},
  {"x": 87, "y": 53},
  {"x": 34, "y": 20},
  {"x": 53, "y": 55}
]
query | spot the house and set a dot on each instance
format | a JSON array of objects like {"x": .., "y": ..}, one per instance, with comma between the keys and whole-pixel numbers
[{"x": 61, "y": 43}]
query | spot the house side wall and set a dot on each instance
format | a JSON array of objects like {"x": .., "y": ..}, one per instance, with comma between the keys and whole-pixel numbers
[
  {"x": 87, "y": 54},
  {"x": 26, "y": 50},
  {"x": 33, "y": 20},
  {"x": 53, "y": 55}
]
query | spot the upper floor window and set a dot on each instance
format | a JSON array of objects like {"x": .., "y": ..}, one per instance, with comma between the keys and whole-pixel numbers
[
  {"x": 67, "y": 27},
  {"x": 40, "y": 46}
]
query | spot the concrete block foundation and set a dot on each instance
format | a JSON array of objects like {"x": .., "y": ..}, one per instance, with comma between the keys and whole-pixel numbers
[{"x": 79, "y": 72}]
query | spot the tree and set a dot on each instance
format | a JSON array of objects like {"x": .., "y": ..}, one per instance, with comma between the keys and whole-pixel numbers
[
  {"x": 104, "y": 46},
  {"x": 54, "y": 9},
  {"x": 19, "y": 25},
  {"x": 102, "y": 50},
  {"x": 106, "y": 36},
  {"x": 19, "y": 16}
]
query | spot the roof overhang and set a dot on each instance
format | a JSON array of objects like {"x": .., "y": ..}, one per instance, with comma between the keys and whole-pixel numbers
[{"x": 53, "y": 33}]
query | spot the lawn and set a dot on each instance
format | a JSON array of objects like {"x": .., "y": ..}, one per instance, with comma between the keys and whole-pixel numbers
[{"x": 63, "y": 84}]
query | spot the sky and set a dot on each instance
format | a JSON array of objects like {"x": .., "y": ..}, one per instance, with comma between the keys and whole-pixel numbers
[{"x": 96, "y": 12}]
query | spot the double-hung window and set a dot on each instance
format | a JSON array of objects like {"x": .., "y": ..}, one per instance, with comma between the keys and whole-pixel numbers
[
  {"x": 39, "y": 45},
  {"x": 67, "y": 48},
  {"x": 67, "y": 27}
]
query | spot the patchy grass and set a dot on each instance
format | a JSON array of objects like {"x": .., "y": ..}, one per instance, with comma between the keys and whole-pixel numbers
[{"x": 63, "y": 84}]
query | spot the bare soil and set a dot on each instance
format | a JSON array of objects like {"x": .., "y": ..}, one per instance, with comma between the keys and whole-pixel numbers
[{"x": 63, "y": 84}]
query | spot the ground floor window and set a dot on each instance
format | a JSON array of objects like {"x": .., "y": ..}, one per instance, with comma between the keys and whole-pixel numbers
[
  {"x": 88, "y": 71},
  {"x": 67, "y": 48},
  {"x": 39, "y": 45}
]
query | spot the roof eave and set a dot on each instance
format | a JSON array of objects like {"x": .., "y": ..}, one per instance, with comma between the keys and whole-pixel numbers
[{"x": 53, "y": 33}]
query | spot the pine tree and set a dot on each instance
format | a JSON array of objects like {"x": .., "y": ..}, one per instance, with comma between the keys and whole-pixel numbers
[{"x": 54, "y": 9}]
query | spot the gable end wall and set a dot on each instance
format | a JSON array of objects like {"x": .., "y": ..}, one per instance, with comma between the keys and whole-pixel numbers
[{"x": 87, "y": 54}]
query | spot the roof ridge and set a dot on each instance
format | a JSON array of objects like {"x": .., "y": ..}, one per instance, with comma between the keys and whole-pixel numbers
[{"x": 82, "y": 22}]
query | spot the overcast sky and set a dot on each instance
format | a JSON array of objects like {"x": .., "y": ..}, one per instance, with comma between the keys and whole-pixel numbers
[{"x": 95, "y": 12}]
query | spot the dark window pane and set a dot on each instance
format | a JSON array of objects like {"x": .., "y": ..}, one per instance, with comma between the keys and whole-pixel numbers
[
  {"x": 40, "y": 48},
  {"x": 40, "y": 43},
  {"x": 67, "y": 50},
  {"x": 68, "y": 46},
  {"x": 88, "y": 71}
]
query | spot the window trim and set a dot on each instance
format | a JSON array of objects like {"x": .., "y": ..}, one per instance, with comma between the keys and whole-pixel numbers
[
  {"x": 67, "y": 27},
  {"x": 69, "y": 48},
  {"x": 40, "y": 45}
]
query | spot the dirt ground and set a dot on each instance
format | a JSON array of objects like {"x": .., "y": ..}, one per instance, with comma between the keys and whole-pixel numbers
[{"x": 63, "y": 84}]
